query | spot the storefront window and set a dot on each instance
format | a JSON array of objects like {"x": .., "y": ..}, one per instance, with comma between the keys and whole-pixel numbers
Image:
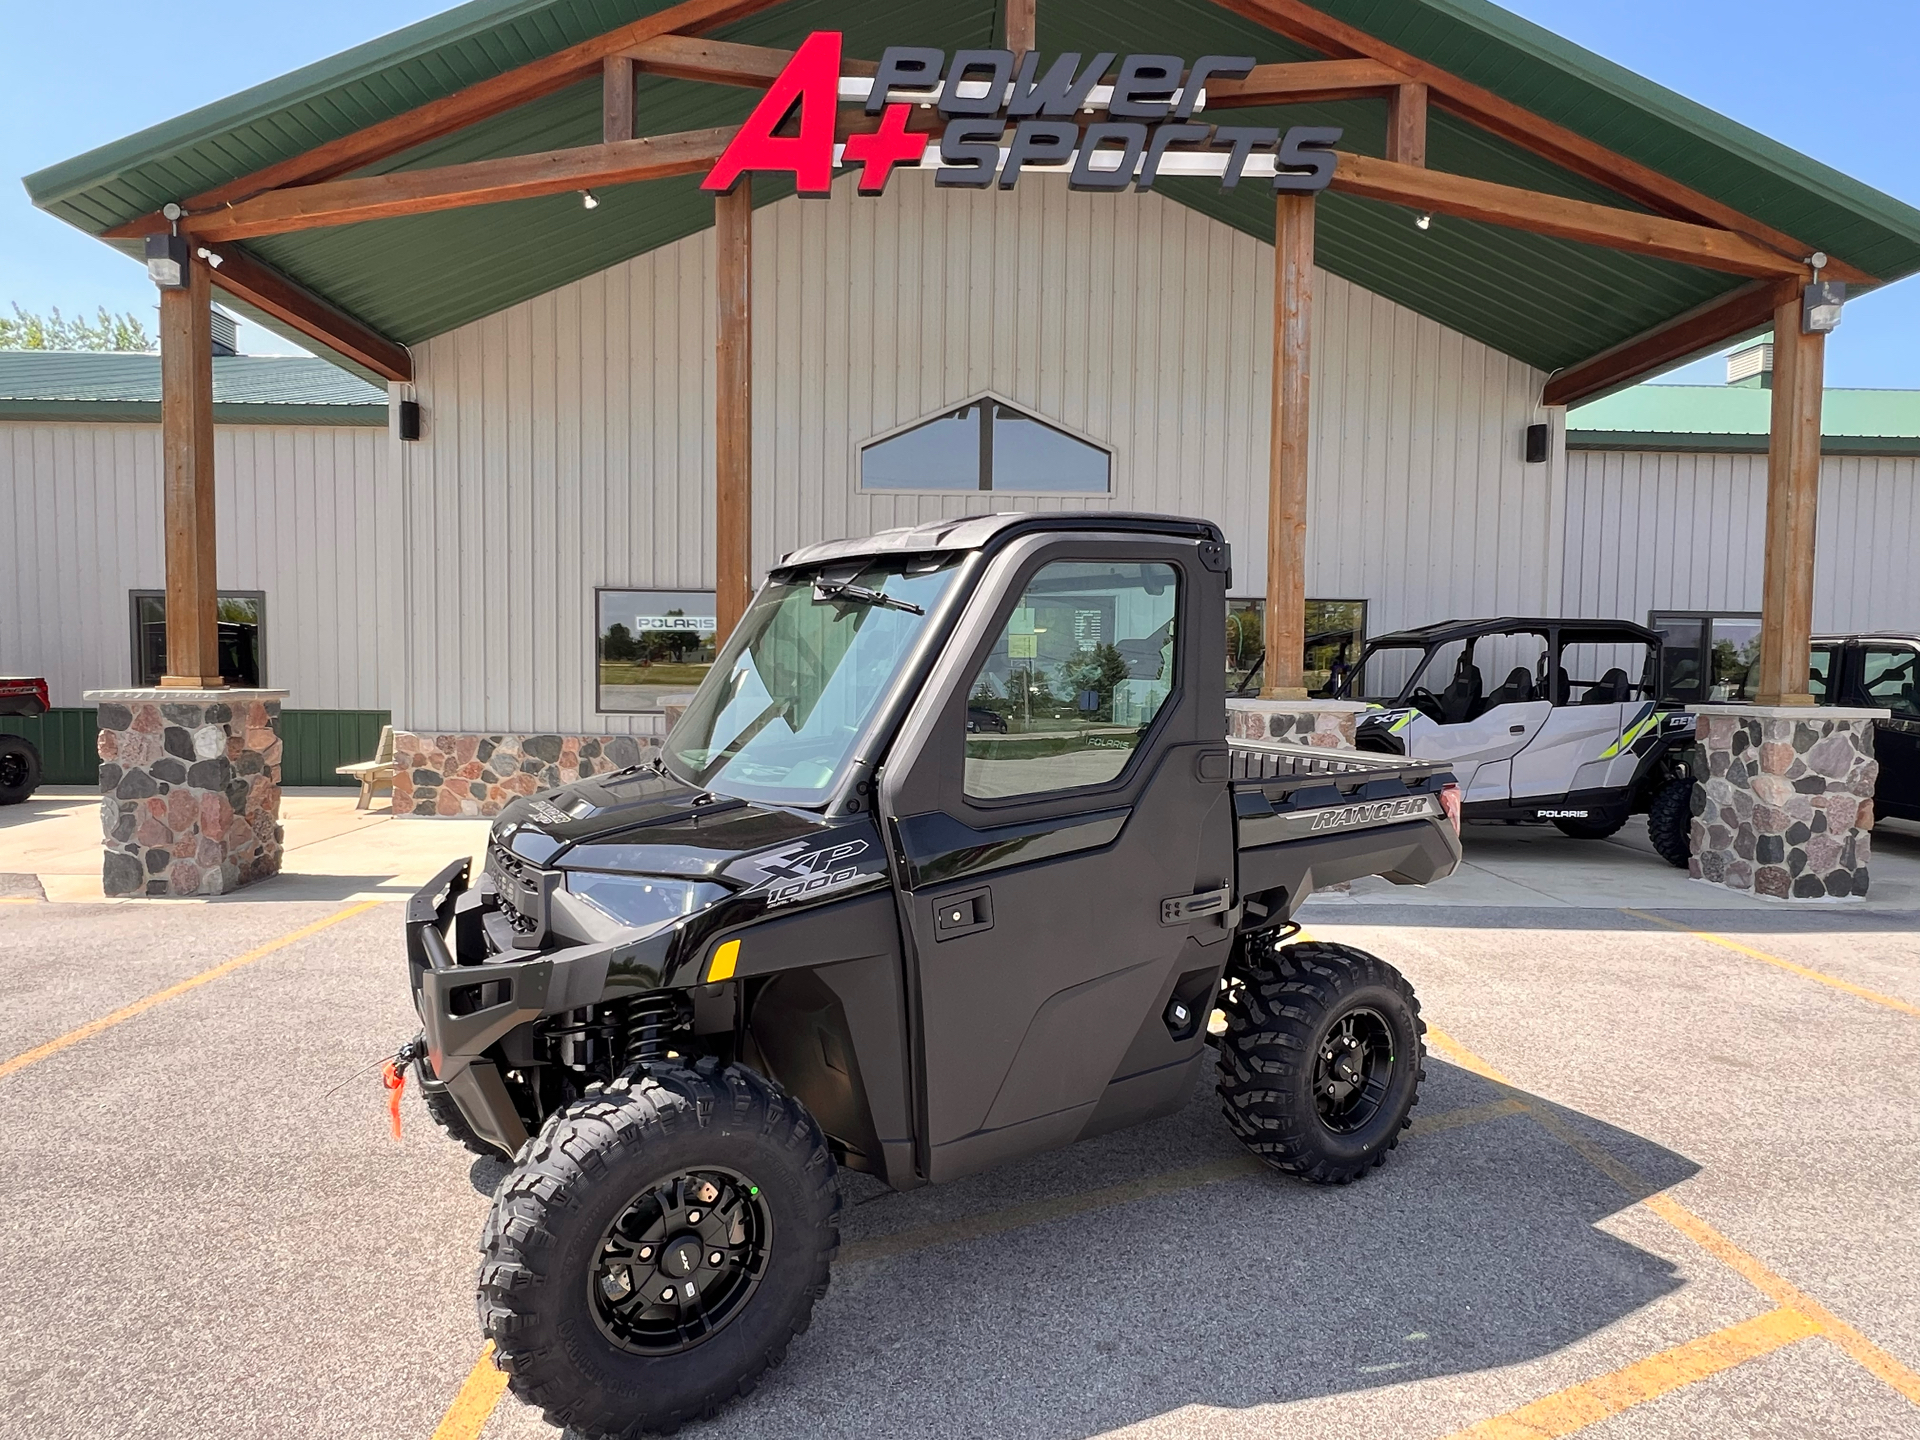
[
  {"x": 650, "y": 644},
  {"x": 986, "y": 444},
  {"x": 242, "y": 639},
  {"x": 1708, "y": 658},
  {"x": 1336, "y": 633}
]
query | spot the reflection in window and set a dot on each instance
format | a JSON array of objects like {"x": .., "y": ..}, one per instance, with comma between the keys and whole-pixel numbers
[
  {"x": 242, "y": 645},
  {"x": 651, "y": 643},
  {"x": 1336, "y": 633},
  {"x": 1708, "y": 657},
  {"x": 1887, "y": 675},
  {"x": 985, "y": 444},
  {"x": 1074, "y": 680}
]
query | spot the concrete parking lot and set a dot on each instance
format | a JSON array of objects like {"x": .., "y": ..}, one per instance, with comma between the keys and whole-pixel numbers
[{"x": 1664, "y": 1182}]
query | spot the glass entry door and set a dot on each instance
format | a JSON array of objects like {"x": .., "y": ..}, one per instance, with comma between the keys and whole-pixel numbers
[{"x": 1707, "y": 658}]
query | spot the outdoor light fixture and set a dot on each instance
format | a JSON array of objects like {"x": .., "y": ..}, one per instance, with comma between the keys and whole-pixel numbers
[
  {"x": 589, "y": 200},
  {"x": 1820, "y": 307},
  {"x": 1423, "y": 222},
  {"x": 167, "y": 254}
]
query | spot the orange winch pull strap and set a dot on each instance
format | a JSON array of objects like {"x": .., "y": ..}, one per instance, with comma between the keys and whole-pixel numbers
[{"x": 395, "y": 1080}]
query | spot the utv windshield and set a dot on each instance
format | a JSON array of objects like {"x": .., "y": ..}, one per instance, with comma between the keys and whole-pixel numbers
[{"x": 800, "y": 678}]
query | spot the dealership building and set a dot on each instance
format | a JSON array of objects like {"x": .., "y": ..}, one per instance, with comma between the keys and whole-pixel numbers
[{"x": 1376, "y": 292}]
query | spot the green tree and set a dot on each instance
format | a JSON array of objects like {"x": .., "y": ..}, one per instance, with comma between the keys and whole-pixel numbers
[
  {"x": 618, "y": 644},
  {"x": 27, "y": 330},
  {"x": 1099, "y": 669}
]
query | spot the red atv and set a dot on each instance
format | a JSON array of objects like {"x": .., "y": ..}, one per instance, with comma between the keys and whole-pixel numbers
[{"x": 19, "y": 761}]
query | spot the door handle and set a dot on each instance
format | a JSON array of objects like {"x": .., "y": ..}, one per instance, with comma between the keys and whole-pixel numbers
[
  {"x": 963, "y": 914},
  {"x": 1516, "y": 729}
]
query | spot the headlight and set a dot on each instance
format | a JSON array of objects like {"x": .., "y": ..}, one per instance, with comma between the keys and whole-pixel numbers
[{"x": 637, "y": 900}]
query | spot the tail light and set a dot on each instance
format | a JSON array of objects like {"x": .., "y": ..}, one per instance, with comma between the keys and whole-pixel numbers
[{"x": 1450, "y": 802}]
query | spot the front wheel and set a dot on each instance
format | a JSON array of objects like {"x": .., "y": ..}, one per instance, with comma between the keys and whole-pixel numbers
[
  {"x": 657, "y": 1248},
  {"x": 19, "y": 769},
  {"x": 1322, "y": 1059},
  {"x": 1670, "y": 822}
]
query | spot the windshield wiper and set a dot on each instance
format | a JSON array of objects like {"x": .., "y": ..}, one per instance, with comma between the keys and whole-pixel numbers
[{"x": 861, "y": 595}]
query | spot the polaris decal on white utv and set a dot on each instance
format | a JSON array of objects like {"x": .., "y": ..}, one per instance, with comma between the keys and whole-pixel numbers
[{"x": 1574, "y": 735}]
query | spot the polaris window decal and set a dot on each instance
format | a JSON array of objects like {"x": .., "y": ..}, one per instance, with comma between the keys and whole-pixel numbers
[{"x": 1063, "y": 120}]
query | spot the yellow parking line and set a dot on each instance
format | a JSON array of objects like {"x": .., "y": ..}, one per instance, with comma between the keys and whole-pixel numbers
[
  {"x": 1578, "y": 1406},
  {"x": 141, "y": 1006},
  {"x": 1770, "y": 1283},
  {"x": 479, "y": 1393},
  {"x": 1890, "y": 1001}
]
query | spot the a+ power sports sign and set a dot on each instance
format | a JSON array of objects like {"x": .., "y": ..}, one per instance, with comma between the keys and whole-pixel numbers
[{"x": 975, "y": 97}]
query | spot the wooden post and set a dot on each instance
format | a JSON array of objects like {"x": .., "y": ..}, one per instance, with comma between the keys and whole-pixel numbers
[
  {"x": 186, "y": 446},
  {"x": 733, "y": 405},
  {"x": 1407, "y": 125},
  {"x": 616, "y": 98},
  {"x": 1286, "y": 619},
  {"x": 1793, "y": 489},
  {"x": 1019, "y": 27}
]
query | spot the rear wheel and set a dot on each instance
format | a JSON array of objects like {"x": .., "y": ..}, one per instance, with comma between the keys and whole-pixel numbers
[
  {"x": 1594, "y": 829},
  {"x": 19, "y": 769},
  {"x": 1321, "y": 1060},
  {"x": 657, "y": 1248},
  {"x": 1670, "y": 822}
]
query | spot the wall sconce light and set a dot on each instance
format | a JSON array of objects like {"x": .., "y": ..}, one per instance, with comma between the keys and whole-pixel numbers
[
  {"x": 589, "y": 200},
  {"x": 1820, "y": 307},
  {"x": 1423, "y": 222}
]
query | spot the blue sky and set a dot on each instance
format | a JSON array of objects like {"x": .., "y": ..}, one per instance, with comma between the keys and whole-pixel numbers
[{"x": 1836, "y": 83}]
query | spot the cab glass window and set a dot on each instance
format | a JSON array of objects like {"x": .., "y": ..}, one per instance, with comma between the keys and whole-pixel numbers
[
  {"x": 1887, "y": 676},
  {"x": 1820, "y": 672},
  {"x": 1074, "y": 680}
]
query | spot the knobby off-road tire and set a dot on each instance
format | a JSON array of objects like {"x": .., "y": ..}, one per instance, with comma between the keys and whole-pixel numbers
[
  {"x": 1670, "y": 822},
  {"x": 1289, "y": 1022},
  {"x": 1590, "y": 829},
  {"x": 19, "y": 769},
  {"x": 572, "y": 1184},
  {"x": 442, "y": 1110}
]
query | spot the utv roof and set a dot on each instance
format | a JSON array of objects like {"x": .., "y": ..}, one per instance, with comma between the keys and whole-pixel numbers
[
  {"x": 1594, "y": 632},
  {"x": 977, "y": 532}
]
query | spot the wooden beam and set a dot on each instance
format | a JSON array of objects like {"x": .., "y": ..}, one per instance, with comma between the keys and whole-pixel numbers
[
  {"x": 186, "y": 449},
  {"x": 1407, "y": 125},
  {"x": 1286, "y": 618},
  {"x": 1793, "y": 491},
  {"x": 1642, "y": 184},
  {"x": 503, "y": 92},
  {"x": 1701, "y": 330},
  {"x": 1440, "y": 193},
  {"x": 723, "y": 62},
  {"x": 733, "y": 406},
  {"x": 250, "y": 279},
  {"x": 616, "y": 99},
  {"x": 453, "y": 187},
  {"x": 1020, "y": 23},
  {"x": 1304, "y": 81}
]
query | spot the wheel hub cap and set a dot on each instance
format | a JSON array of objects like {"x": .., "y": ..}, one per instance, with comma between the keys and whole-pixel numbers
[{"x": 1353, "y": 1070}]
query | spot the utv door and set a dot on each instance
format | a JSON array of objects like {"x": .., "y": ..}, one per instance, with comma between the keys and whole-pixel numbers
[
  {"x": 1886, "y": 678},
  {"x": 1048, "y": 860}
]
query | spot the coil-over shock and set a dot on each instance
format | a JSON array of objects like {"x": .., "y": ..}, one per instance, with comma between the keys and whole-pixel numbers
[{"x": 655, "y": 1026}]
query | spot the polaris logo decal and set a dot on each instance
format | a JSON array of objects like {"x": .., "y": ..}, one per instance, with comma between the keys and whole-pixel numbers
[
  {"x": 1561, "y": 814},
  {"x": 799, "y": 873},
  {"x": 1371, "y": 813}
]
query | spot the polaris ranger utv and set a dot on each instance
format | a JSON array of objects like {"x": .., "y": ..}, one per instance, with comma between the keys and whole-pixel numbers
[{"x": 847, "y": 919}]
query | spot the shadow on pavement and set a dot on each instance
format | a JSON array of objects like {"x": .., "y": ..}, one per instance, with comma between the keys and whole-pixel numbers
[
  {"x": 1785, "y": 918},
  {"x": 1478, "y": 1245}
]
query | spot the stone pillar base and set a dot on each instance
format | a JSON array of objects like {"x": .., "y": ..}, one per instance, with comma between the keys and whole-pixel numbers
[
  {"x": 476, "y": 775},
  {"x": 1785, "y": 805},
  {"x": 190, "y": 789},
  {"x": 1326, "y": 723}
]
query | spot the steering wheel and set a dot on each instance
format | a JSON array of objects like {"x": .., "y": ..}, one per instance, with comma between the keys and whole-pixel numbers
[{"x": 1428, "y": 704}]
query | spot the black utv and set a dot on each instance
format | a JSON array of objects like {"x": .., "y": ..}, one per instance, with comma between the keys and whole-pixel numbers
[{"x": 948, "y": 861}]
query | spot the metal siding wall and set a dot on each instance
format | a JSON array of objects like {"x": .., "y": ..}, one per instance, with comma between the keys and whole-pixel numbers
[
  {"x": 568, "y": 440},
  {"x": 1653, "y": 530},
  {"x": 297, "y": 517}
]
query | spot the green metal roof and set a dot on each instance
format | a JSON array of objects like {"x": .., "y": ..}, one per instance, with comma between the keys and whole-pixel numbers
[
  {"x": 91, "y": 386},
  {"x": 1734, "y": 419},
  {"x": 1551, "y": 303}
]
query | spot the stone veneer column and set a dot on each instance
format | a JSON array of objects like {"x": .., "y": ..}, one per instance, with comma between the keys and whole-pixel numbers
[
  {"x": 1785, "y": 802},
  {"x": 476, "y": 775},
  {"x": 1326, "y": 723},
  {"x": 189, "y": 789}
]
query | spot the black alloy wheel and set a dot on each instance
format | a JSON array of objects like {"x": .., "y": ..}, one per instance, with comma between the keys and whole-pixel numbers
[
  {"x": 1322, "y": 1058},
  {"x": 1353, "y": 1072},
  {"x": 681, "y": 1261}
]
